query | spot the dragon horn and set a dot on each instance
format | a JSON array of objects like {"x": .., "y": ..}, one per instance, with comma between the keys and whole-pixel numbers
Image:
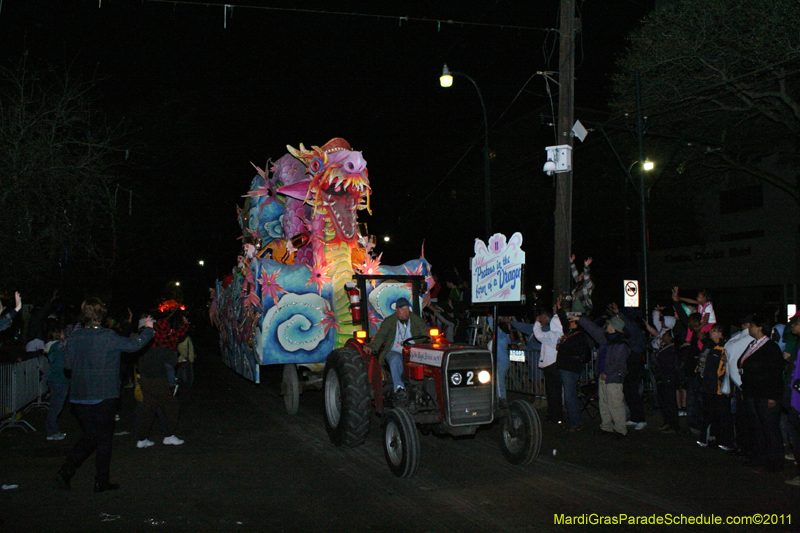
[{"x": 296, "y": 153}]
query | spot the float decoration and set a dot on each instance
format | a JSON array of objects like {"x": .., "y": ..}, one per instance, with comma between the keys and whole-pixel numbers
[{"x": 285, "y": 302}]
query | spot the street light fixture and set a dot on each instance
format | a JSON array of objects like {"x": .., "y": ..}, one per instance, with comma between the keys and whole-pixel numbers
[
  {"x": 446, "y": 80},
  {"x": 646, "y": 167},
  {"x": 201, "y": 263}
]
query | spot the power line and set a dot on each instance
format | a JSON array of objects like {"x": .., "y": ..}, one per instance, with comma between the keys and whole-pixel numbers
[{"x": 400, "y": 18}]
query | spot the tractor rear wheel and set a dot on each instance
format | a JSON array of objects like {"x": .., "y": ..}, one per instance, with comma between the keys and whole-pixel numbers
[
  {"x": 401, "y": 442},
  {"x": 347, "y": 399},
  {"x": 521, "y": 433}
]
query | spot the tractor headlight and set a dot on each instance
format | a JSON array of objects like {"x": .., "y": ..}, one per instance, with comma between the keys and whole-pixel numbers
[{"x": 484, "y": 377}]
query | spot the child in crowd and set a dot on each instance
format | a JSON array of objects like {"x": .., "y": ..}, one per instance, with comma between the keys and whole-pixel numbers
[
  {"x": 704, "y": 307},
  {"x": 717, "y": 422}
]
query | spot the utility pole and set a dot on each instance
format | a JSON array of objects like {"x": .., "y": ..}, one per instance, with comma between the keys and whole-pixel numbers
[{"x": 566, "y": 104}]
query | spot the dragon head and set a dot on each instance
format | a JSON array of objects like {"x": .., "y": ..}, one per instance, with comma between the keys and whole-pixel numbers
[{"x": 338, "y": 187}]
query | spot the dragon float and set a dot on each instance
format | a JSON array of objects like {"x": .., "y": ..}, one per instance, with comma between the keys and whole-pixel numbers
[{"x": 286, "y": 301}]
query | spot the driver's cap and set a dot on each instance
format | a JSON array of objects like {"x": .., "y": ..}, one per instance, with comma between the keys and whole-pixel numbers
[{"x": 401, "y": 302}]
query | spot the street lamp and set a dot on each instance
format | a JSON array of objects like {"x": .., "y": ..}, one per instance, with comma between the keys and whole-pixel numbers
[
  {"x": 201, "y": 263},
  {"x": 446, "y": 80},
  {"x": 645, "y": 166}
]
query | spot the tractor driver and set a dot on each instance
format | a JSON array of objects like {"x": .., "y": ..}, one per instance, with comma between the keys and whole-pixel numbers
[{"x": 402, "y": 325}]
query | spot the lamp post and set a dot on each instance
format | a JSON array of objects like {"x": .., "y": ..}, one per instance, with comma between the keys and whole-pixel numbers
[
  {"x": 644, "y": 167},
  {"x": 446, "y": 80}
]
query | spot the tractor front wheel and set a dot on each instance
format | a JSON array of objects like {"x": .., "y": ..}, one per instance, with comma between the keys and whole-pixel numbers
[
  {"x": 401, "y": 442},
  {"x": 521, "y": 433}
]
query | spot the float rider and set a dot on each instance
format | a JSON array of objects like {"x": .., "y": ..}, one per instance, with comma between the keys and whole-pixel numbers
[{"x": 400, "y": 326}]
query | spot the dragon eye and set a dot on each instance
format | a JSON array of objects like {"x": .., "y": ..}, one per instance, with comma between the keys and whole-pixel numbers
[{"x": 315, "y": 165}]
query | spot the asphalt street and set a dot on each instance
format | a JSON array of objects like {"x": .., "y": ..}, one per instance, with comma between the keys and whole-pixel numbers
[{"x": 248, "y": 466}]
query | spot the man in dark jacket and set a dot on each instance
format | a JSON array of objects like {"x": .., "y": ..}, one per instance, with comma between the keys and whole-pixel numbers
[
  {"x": 400, "y": 326},
  {"x": 611, "y": 364},
  {"x": 93, "y": 356},
  {"x": 574, "y": 351}
]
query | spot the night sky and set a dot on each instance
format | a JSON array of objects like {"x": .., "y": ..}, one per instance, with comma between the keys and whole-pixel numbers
[{"x": 200, "y": 101}]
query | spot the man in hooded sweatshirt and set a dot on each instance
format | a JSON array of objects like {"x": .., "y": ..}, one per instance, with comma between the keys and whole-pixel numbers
[{"x": 611, "y": 366}]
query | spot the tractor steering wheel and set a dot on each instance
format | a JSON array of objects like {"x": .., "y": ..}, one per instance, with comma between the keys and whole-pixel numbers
[{"x": 413, "y": 340}]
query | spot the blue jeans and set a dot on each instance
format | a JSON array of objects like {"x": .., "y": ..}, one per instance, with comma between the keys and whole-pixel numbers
[
  {"x": 58, "y": 396},
  {"x": 395, "y": 362},
  {"x": 569, "y": 380}
]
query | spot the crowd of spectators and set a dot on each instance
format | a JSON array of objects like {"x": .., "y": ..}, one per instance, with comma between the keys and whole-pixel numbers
[
  {"x": 739, "y": 394},
  {"x": 91, "y": 355}
]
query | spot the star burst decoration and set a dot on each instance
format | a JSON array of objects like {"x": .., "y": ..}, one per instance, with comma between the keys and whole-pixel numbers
[
  {"x": 264, "y": 190},
  {"x": 372, "y": 266},
  {"x": 329, "y": 320},
  {"x": 270, "y": 285},
  {"x": 319, "y": 276},
  {"x": 416, "y": 272}
]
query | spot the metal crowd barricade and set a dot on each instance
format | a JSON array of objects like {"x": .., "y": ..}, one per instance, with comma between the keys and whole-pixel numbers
[
  {"x": 22, "y": 384},
  {"x": 526, "y": 377}
]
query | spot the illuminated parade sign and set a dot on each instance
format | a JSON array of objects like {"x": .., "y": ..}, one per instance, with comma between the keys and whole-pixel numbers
[{"x": 497, "y": 270}]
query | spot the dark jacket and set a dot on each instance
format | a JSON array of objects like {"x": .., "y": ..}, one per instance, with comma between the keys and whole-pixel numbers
[
  {"x": 636, "y": 339},
  {"x": 55, "y": 355},
  {"x": 7, "y": 319},
  {"x": 666, "y": 365},
  {"x": 386, "y": 333},
  {"x": 711, "y": 367},
  {"x": 574, "y": 348},
  {"x": 762, "y": 373},
  {"x": 93, "y": 355},
  {"x": 616, "y": 351}
]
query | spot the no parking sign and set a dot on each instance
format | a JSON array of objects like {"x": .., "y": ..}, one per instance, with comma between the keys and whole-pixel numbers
[{"x": 631, "y": 293}]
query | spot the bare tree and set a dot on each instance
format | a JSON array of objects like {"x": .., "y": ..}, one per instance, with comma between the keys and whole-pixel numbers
[
  {"x": 720, "y": 81},
  {"x": 56, "y": 200}
]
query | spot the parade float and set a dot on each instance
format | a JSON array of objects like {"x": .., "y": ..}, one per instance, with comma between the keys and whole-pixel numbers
[
  {"x": 291, "y": 298},
  {"x": 307, "y": 293}
]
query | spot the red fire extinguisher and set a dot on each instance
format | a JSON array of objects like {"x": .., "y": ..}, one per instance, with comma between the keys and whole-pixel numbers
[{"x": 355, "y": 301}]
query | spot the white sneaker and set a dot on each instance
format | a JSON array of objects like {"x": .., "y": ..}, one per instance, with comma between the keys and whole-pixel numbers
[
  {"x": 57, "y": 436},
  {"x": 640, "y": 426},
  {"x": 146, "y": 443},
  {"x": 175, "y": 441},
  {"x": 630, "y": 423}
]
